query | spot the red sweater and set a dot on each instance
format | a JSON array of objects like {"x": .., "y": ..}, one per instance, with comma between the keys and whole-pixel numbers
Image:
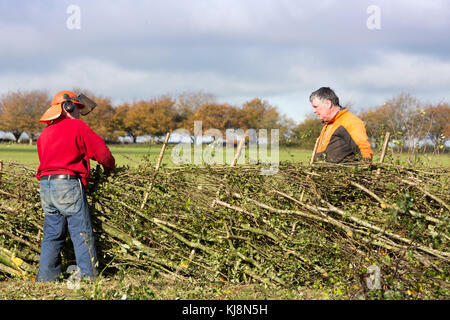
[{"x": 65, "y": 147}]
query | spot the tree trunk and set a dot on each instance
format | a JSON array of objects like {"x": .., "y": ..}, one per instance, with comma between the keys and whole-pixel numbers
[{"x": 16, "y": 136}]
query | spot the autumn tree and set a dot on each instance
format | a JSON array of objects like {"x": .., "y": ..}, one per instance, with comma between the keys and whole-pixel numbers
[
  {"x": 215, "y": 115},
  {"x": 154, "y": 117},
  {"x": 20, "y": 111},
  {"x": 375, "y": 119},
  {"x": 259, "y": 114},
  {"x": 112, "y": 122},
  {"x": 128, "y": 117},
  {"x": 120, "y": 122},
  {"x": 287, "y": 127},
  {"x": 438, "y": 123},
  {"x": 101, "y": 119},
  {"x": 307, "y": 131},
  {"x": 162, "y": 116},
  {"x": 188, "y": 103},
  {"x": 403, "y": 116}
]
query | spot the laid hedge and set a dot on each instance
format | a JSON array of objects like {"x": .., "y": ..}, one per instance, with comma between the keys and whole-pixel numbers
[{"x": 348, "y": 225}]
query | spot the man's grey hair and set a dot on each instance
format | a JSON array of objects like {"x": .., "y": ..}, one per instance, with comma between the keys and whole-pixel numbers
[{"x": 323, "y": 94}]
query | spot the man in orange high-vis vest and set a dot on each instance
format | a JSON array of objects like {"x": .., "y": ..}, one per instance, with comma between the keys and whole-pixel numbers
[{"x": 343, "y": 137}]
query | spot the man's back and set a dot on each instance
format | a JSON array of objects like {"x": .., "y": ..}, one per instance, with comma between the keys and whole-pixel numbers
[{"x": 65, "y": 147}]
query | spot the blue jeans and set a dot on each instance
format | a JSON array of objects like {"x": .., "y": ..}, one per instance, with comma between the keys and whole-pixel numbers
[{"x": 65, "y": 205}]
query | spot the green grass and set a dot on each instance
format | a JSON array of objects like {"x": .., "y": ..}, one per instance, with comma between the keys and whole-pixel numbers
[
  {"x": 139, "y": 285},
  {"x": 131, "y": 154},
  {"x": 135, "y": 154}
]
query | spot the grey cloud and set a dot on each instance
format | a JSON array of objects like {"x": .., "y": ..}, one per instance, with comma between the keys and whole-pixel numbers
[{"x": 237, "y": 49}]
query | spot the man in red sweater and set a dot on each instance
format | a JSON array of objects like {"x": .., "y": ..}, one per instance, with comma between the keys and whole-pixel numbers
[{"x": 65, "y": 147}]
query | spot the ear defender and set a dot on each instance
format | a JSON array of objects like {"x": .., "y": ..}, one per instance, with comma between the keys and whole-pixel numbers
[{"x": 68, "y": 105}]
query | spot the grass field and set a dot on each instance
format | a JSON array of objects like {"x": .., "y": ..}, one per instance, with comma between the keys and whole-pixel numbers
[
  {"x": 141, "y": 286},
  {"x": 135, "y": 154},
  {"x": 131, "y": 154}
]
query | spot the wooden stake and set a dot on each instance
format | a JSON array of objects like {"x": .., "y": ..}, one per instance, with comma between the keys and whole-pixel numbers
[
  {"x": 233, "y": 164},
  {"x": 158, "y": 164},
  {"x": 314, "y": 152},
  {"x": 385, "y": 143},
  {"x": 238, "y": 152},
  {"x": 383, "y": 151}
]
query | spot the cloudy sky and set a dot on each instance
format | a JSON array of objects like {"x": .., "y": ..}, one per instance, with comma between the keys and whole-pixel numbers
[{"x": 278, "y": 50}]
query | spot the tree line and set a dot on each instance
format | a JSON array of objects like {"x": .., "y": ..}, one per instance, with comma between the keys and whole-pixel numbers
[
  {"x": 20, "y": 112},
  {"x": 407, "y": 119}
]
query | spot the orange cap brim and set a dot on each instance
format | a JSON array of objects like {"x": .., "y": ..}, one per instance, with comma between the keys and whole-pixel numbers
[{"x": 52, "y": 113}]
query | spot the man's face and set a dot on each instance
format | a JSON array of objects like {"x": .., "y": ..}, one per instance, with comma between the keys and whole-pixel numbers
[{"x": 323, "y": 109}]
